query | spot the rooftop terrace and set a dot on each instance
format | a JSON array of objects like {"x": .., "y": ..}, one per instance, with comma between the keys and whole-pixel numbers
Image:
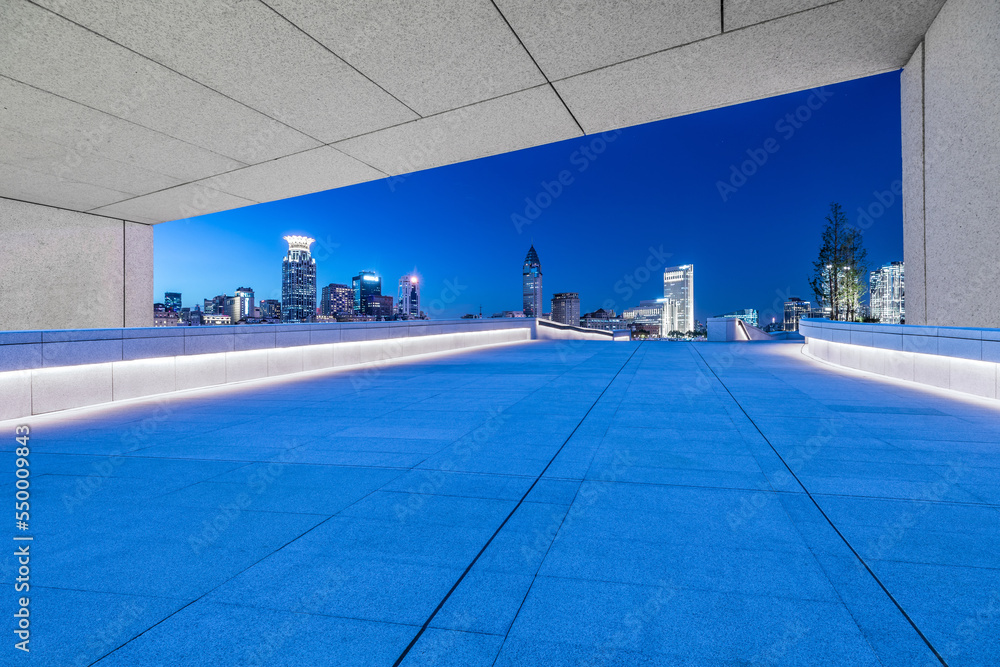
[{"x": 550, "y": 503}]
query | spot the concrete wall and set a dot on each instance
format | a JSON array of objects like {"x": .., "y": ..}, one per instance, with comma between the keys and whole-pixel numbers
[
  {"x": 951, "y": 169},
  {"x": 48, "y": 371},
  {"x": 549, "y": 330},
  {"x": 62, "y": 269},
  {"x": 962, "y": 359}
]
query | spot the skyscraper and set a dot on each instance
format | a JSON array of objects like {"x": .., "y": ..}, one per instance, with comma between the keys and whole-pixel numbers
[
  {"x": 408, "y": 299},
  {"x": 678, "y": 286},
  {"x": 531, "y": 283},
  {"x": 172, "y": 301},
  {"x": 337, "y": 299},
  {"x": 887, "y": 287},
  {"x": 298, "y": 281},
  {"x": 365, "y": 284},
  {"x": 566, "y": 308}
]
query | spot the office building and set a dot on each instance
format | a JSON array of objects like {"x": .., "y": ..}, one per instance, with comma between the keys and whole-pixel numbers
[
  {"x": 172, "y": 301},
  {"x": 603, "y": 319},
  {"x": 378, "y": 306},
  {"x": 566, "y": 308},
  {"x": 336, "y": 300},
  {"x": 748, "y": 315},
  {"x": 795, "y": 308},
  {"x": 531, "y": 284},
  {"x": 408, "y": 298},
  {"x": 656, "y": 316},
  {"x": 678, "y": 286},
  {"x": 216, "y": 305},
  {"x": 270, "y": 309},
  {"x": 364, "y": 285},
  {"x": 887, "y": 292},
  {"x": 240, "y": 306},
  {"x": 298, "y": 281}
]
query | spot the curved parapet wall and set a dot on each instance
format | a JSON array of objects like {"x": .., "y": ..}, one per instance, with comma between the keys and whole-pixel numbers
[
  {"x": 48, "y": 371},
  {"x": 549, "y": 330},
  {"x": 963, "y": 359}
]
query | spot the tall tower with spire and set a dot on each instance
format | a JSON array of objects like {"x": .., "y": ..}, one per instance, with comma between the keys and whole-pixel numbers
[{"x": 531, "y": 283}]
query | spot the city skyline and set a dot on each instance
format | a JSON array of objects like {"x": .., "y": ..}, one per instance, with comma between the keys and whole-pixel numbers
[{"x": 647, "y": 197}]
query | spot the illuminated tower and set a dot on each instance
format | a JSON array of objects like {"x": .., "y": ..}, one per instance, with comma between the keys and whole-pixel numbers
[
  {"x": 365, "y": 284},
  {"x": 531, "y": 282},
  {"x": 678, "y": 286},
  {"x": 408, "y": 300},
  {"x": 298, "y": 281}
]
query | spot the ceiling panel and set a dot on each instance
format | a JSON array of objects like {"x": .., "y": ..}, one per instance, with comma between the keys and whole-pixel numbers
[
  {"x": 39, "y": 155},
  {"x": 46, "y": 188},
  {"x": 246, "y": 51},
  {"x": 183, "y": 201},
  {"x": 519, "y": 120},
  {"x": 58, "y": 56},
  {"x": 433, "y": 55},
  {"x": 573, "y": 36},
  {"x": 85, "y": 132},
  {"x": 836, "y": 42},
  {"x": 315, "y": 170}
]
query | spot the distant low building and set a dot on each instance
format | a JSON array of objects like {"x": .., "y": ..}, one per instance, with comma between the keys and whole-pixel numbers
[
  {"x": 605, "y": 320},
  {"x": 270, "y": 309},
  {"x": 215, "y": 320},
  {"x": 649, "y": 317},
  {"x": 379, "y": 306},
  {"x": 748, "y": 315}
]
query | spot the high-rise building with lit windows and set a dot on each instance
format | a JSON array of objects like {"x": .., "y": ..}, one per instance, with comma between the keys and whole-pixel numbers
[
  {"x": 298, "y": 281},
  {"x": 887, "y": 291},
  {"x": 365, "y": 284},
  {"x": 566, "y": 308},
  {"x": 408, "y": 299},
  {"x": 678, "y": 286},
  {"x": 336, "y": 300},
  {"x": 531, "y": 284},
  {"x": 172, "y": 301},
  {"x": 795, "y": 309}
]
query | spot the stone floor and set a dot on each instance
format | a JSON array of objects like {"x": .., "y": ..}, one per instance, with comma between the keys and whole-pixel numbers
[{"x": 548, "y": 503}]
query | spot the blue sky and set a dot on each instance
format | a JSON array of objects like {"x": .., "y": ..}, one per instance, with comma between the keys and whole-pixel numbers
[{"x": 675, "y": 191}]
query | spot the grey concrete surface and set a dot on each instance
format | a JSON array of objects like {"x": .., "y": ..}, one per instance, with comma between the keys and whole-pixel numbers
[
  {"x": 544, "y": 504},
  {"x": 168, "y": 98},
  {"x": 63, "y": 269},
  {"x": 961, "y": 165}
]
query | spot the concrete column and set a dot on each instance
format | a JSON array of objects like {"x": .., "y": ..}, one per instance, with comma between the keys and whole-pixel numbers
[
  {"x": 951, "y": 169},
  {"x": 62, "y": 269}
]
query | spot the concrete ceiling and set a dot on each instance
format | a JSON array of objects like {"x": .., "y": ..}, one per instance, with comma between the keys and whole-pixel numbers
[{"x": 154, "y": 111}]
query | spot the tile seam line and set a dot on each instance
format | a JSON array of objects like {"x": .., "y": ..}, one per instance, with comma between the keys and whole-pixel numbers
[
  {"x": 569, "y": 508},
  {"x": 829, "y": 521},
  {"x": 441, "y": 604},
  {"x": 252, "y": 565}
]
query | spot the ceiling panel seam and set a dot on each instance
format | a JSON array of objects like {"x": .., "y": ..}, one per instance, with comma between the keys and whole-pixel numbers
[
  {"x": 124, "y": 120},
  {"x": 180, "y": 74},
  {"x": 339, "y": 57},
  {"x": 697, "y": 41},
  {"x": 540, "y": 70}
]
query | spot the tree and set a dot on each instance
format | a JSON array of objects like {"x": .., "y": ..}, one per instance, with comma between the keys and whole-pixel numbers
[{"x": 839, "y": 272}]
